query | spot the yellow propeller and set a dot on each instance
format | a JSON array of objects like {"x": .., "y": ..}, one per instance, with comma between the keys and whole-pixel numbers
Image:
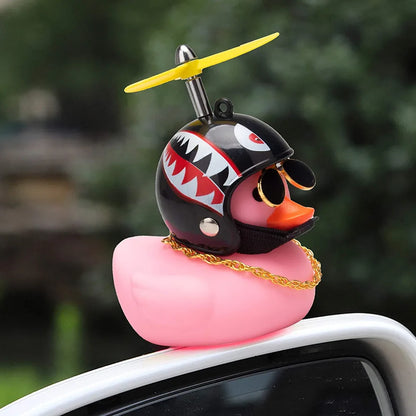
[{"x": 194, "y": 67}]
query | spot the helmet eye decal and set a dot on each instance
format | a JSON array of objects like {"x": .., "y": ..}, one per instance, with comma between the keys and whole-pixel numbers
[
  {"x": 195, "y": 167},
  {"x": 249, "y": 140}
]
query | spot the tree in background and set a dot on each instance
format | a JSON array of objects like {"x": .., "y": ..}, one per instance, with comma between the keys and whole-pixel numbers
[{"x": 82, "y": 51}]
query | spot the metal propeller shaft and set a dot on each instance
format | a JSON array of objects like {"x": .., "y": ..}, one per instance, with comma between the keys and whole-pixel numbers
[{"x": 194, "y": 84}]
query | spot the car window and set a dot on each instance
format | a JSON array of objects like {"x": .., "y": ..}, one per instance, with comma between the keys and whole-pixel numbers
[{"x": 341, "y": 386}]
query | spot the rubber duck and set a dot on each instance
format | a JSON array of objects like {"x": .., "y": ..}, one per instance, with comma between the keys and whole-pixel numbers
[{"x": 230, "y": 269}]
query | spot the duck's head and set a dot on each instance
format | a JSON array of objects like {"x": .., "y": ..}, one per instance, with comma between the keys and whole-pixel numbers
[{"x": 222, "y": 185}]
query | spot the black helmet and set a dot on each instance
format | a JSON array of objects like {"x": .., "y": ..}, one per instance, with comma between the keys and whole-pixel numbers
[
  {"x": 199, "y": 170},
  {"x": 207, "y": 159}
]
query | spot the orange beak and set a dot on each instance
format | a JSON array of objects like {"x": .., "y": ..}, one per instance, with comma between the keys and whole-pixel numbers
[{"x": 289, "y": 214}]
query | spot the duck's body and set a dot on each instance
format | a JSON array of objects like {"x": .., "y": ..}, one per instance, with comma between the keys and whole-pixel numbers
[{"x": 170, "y": 299}]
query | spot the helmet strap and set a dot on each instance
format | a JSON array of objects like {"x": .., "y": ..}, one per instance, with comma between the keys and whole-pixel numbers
[{"x": 257, "y": 240}]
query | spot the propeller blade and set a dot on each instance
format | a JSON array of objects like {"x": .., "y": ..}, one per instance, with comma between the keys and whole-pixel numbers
[
  {"x": 153, "y": 81},
  {"x": 194, "y": 67},
  {"x": 234, "y": 52}
]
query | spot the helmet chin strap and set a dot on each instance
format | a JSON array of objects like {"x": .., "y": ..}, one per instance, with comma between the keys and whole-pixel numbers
[{"x": 257, "y": 240}]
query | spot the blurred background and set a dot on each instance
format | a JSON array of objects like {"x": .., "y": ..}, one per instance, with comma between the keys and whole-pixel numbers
[{"x": 78, "y": 156}]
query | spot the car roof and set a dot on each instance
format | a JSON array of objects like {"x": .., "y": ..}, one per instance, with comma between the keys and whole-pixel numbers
[{"x": 392, "y": 343}]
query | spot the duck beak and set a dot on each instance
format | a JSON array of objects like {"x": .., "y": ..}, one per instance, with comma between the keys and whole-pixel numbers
[{"x": 289, "y": 214}]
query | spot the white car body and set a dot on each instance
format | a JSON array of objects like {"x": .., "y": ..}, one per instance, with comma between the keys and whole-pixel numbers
[{"x": 392, "y": 345}]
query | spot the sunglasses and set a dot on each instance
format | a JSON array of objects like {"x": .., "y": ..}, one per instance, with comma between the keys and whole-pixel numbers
[{"x": 270, "y": 185}]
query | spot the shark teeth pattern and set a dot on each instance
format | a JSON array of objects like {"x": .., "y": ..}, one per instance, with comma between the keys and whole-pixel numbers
[
  {"x": 219, "y": 161},
  {"x": 195, "y": 167},
  {"x": 190, "y": 182}
]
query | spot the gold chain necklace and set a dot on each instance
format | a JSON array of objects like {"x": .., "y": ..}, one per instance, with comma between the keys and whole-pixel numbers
[{"x": 256, "y": 271}]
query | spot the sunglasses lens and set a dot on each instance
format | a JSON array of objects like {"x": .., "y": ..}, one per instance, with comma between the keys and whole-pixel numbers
[
  {"x": 271, "y": 187},
  {"x": 299, "y": 174}
]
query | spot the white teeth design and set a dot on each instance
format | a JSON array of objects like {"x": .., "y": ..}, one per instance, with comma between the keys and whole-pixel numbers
[
  {"x": 232, "y": 176},
  {"x": 217, "y": 163},
  {"x": 207, "y": 200},
  {"x": 179, "y": 138},
  {"x": 190, "y": 145},
  {"x": 190, "y": 188},
  {"x": 175, "y": 179},
  {"x": 201, "y": 153}
]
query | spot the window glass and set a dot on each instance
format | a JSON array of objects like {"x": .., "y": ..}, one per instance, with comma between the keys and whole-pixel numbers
[{"x": 342, "y": 386}]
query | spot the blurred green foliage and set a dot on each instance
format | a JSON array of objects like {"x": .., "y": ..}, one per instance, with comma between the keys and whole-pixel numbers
[
  {"x": 338, "y": 84},
  {"x": 19, "y": 380}
]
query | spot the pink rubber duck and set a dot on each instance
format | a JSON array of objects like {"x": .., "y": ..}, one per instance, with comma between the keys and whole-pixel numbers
[{"x": 229, "y": 271}]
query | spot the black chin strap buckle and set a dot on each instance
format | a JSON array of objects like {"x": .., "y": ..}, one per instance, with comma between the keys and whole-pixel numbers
[{"x": 258, "y": 240}]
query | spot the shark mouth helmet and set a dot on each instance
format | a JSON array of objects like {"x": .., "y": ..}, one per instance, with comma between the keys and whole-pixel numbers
[{"x": 199, "y": 170}]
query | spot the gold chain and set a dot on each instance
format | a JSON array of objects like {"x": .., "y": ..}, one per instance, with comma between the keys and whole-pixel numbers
[{"x": 256, "y": 271}]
